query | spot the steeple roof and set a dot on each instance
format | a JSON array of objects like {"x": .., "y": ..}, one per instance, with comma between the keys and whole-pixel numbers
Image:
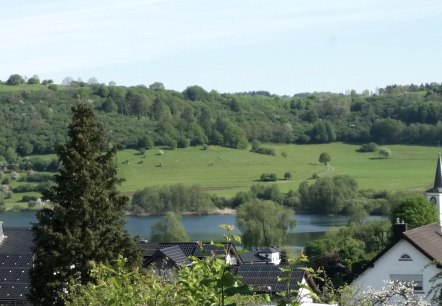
[{"x": 437, "y": 178}]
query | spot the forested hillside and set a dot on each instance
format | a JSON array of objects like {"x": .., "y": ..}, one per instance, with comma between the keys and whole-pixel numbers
[{"x": 34, "y": 116}]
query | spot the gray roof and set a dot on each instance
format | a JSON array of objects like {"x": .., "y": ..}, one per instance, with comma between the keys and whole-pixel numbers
[
  {"x": 269, "y": 250},
  {"x": 263, "y": 277},
  {"x": 197, "y": 249},
  {"x": 14, "y": 276},
  {"x": 17, "y": 240},
  {"x": 175, "y": 254},
  {"x": 437, "y": 187},
  {"x": 427, "y": 239},
  {"x": 253, "y": 257},
  {"x": 15, "y": 262}
]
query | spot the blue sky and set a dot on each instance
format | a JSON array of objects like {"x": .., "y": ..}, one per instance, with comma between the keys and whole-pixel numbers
[{"x": 282, "y": 46}]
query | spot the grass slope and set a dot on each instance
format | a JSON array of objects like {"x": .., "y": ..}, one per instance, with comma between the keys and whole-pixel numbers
[{"x": 226, "y": 171}]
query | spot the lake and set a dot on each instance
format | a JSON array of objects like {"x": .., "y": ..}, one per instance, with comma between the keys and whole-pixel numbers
[{"x": 205, "y": 228}]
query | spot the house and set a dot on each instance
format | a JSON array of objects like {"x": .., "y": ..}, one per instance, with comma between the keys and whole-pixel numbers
[
  {"x": 258, "y": 269},
  {"x": 15, "y": 263},
  {"x": 269, "y": 255},
  {"x": 264, "y": 278},
  {"x": 167, "y": 256},
  {"x": 412, "y": 255}
]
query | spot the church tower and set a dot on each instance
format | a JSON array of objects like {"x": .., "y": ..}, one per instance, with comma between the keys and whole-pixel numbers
[{"x": 435, "y": 194}]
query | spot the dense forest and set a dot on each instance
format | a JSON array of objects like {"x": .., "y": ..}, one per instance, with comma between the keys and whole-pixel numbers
[{"x": 34, "y": 116}]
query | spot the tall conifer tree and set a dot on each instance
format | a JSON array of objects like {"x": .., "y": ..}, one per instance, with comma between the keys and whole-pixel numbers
[{"x": 86, "y": 221}]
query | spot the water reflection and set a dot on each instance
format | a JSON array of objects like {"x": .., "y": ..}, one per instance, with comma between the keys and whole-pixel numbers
[{"x": 205, "y": 228}]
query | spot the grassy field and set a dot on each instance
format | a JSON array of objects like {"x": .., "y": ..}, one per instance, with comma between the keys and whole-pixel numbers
[
  {"x": 226, "y": 171},
  {"x": 26, "y": 87}
]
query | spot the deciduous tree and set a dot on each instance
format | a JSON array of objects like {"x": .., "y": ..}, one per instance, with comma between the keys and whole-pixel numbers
[
  {"x": 264, "y": 223},
  {"x": 15, "y": 79},
  {"x": 415, "y": 211},
  {"x": 324, "y": 158},
  {"x": 170, "y": 229}
]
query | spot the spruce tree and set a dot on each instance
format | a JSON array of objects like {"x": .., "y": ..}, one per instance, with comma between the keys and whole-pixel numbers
[{"x": 86, "y": 220}]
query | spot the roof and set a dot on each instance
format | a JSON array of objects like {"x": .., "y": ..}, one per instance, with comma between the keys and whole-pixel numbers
[
  {"x": 17, "y": 240},
  {"x": 15, "y": 262},
  {"x": 253, "y": 257},
  {"x": 14, "y": 276},
  {"x": 427, "y": 239},
  {"x": 197, "y": 249},
  {"x": 437, "y": 187},
  {"x": 176, "y": 255},
  {"x": 269, "y": 250},
  {"x": 264, "y": 278},
  {"x": 211, "y": 249}
]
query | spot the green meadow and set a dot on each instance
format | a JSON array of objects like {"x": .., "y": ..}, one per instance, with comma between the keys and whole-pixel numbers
[
  {"x": 21, "y": 87},
  {"x": 226, "y": 171}
]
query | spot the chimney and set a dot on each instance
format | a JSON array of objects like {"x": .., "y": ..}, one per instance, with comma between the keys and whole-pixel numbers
[{"x": 398, "y": 228}]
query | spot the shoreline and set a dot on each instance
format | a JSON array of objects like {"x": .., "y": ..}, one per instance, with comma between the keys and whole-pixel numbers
[{"x": 216, "y": 212}]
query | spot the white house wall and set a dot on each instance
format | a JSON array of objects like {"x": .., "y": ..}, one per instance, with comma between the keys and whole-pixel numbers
[
  {"x": 305, "y": 295},
  {"x": 389, "y": 264}
]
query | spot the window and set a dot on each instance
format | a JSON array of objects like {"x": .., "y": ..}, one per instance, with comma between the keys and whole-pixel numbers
[
  {"x": 405, "y": 257},
  {"x": 417, "y": 280}
]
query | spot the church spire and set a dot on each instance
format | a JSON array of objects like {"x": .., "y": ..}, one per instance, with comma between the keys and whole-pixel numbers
[
  {"x": 438, "y": 176},
  {"x": 437, "y": 187}
]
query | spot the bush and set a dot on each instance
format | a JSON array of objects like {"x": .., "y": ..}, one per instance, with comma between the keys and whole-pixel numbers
[
  {"x": 287, "y": 176},
  {"x": 269, "y": 177},
  {"x": 385, "y": 152},
  {"x": 265, "y": 151},
  {"x": 23, "y": 188},
  {"x": 39, "y": 164},
  {"x": 256, "y": 148},
  {"x": 8, "y": 194},
  {"x": 183, "y": 142},
  {"x": 14, "y": 175},
  {"x": 39, "y": 177},
  {"x": 27, "y": 198},
  {"x": 368, "y": 147}
]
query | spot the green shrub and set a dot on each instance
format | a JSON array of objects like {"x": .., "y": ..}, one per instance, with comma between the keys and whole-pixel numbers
[
  {"x": 368, "y": 147},
  {"x": 269, "y": 177}
]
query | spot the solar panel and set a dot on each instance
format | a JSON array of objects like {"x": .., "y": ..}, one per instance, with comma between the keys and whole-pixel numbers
[{"x": 262, "y": 276}]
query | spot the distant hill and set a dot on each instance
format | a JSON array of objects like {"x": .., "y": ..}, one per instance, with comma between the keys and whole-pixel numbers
[{"x": 34, "y": 117}]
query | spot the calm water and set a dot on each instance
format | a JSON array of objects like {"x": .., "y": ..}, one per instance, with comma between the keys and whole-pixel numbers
[{"x": 308, "y": 227}]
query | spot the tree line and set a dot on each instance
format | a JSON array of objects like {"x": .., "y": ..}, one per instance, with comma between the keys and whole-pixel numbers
[
  {"x": 35, "y": 115},
  {"x": 83, "y": 255}
]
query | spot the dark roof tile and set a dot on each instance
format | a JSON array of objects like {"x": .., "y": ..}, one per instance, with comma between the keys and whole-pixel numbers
[
  {"x": 175, "y": 254},
  {"x": 427, "y": 239},
  {"x": 253, "y": 257},
  {"x": 17, "y": 240},
  {"x": 13, "y": 291},
  {"x": 263, "y": 277}
]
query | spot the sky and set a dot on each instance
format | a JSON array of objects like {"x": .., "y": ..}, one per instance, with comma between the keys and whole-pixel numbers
[{"x": 281, "y": 46}]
